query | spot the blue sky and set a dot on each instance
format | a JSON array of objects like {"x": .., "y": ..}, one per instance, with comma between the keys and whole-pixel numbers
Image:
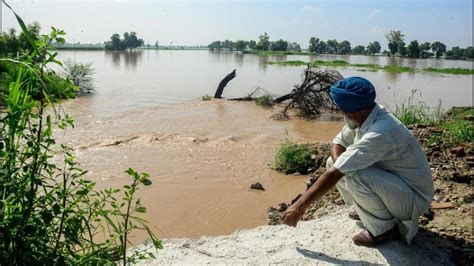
[{"x": 201, "y": 22}]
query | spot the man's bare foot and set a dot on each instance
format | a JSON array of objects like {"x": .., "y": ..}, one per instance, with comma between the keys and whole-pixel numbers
[
  {"x": 354, "y": 216},
  {"x": 366, "y": 239}
]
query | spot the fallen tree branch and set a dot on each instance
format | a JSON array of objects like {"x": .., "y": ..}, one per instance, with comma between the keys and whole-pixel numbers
[{"x": 223, "y": 83}]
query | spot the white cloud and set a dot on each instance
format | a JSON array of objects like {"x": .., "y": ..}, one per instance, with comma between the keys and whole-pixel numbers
[
  {"x": 311, "y": 8},
  {"x": 374, "y": 12}
]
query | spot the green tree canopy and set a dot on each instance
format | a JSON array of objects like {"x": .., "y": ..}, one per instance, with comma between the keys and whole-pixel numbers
[
  {"x": 394, "y": 38},
  {"x": 373, "y": 48},
  {"x": 413, "y": 49},
  {"x": 438, "y": 49},
  {"x": 359, "y": 49},
  {"x": 332, "y": 47},
  {"x": 280, "y": 45},
  {"x": 263, "y": 42},
  {"x": 344, "y": 47}
]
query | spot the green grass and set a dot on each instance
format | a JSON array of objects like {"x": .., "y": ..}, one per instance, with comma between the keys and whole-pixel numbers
[
  {"x": 292, "y": 157},
  {"x": 289, "y": 63},
  {"x": 277, "y": 53},
  {"x": 398, "y": 69},
  {"x": 374, "y": 67},
  {"x": 206, "y": 98},
  {"x": 334, "y": 63},
  {"x": 264, "y": 101},
  {"x": 454, "y": 71},
  {"x": 414, "y": 111}
]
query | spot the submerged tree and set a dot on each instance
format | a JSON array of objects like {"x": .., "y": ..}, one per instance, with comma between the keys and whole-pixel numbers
[
  {"x": 311, "y": 96},
  {"x": 438, "y": 49},
  {"x": 394, "y": 38}
]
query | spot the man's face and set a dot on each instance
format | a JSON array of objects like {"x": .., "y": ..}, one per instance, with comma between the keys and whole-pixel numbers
[{"x": 350, "y": 121}]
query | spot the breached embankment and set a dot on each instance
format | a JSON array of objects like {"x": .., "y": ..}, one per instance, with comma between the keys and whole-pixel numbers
[{"x": 326, "y": 240}]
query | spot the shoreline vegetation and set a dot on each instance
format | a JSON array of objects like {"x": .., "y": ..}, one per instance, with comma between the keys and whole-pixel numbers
[{"x": 375, "y": 67}]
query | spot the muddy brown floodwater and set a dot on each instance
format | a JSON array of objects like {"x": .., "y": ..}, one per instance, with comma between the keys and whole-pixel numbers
[{"x": 202, "y": 157}]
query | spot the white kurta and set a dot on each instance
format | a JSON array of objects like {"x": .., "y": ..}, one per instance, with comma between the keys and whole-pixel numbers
[{"x": 387, "y": 176}]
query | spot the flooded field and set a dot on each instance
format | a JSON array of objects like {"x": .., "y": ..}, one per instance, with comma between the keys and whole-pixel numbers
[{"x": 203, "y": 155}]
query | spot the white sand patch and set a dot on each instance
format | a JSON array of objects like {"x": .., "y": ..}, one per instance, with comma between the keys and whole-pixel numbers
[{"x": 327, "y": 240}]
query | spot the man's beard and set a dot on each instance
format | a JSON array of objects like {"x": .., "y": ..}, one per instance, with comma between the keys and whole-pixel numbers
[{"x": 351, "y": 123}]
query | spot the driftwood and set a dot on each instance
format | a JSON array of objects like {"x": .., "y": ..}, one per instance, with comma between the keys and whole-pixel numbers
[
  {"x": 253, "y": 95},
  {"x": 312, "y": 95},
  {"x": 223, "y": 83}
]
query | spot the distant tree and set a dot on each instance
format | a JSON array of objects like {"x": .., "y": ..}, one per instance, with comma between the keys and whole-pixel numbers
[
  {"x": 12, "y": 42},
  {"x": 469, "y": 52},
  {"x": 294, "y": 46},
  {"x": 455, "y": 53},
  {"x": 344, "y": 47},
  {"x": 240, "y": 45},
  {"x": 252, "y": 44},
  {"x": 115, "y": 43},
  {"x": 394, "y": 38},
  {"x": 313, "y": 44},
  {"x": 229, "y": 45},
  {"x": 359, "y": 49},
  {"x": 373, "y": 48},
  {"x": 332, "y": 47},
  {"x": 402, "y": 49},
  {"x": 129, "y": 41},
  {"x": 413, "y": 49},
  {"x": 280, "y": 45},
  {"x": 322, "y": 47},
  {"x": 385, "y": 52},
  {"x": 157, "y": 44},
  {"x": 215, "y": 45},
  {"x": 424, "y": 50},
  {"x": 438, "y": 49},
  {"x": 263, "y": 42}
]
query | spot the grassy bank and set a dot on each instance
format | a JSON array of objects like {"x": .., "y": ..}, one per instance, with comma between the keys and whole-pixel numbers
[
  {"x": 453, "y": 71},
  {"x": 276, "y": 53},
  {"x": 374, "y": 67}
]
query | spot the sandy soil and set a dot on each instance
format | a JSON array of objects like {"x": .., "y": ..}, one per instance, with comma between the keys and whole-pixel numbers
[{"x": 326, "y": 240}]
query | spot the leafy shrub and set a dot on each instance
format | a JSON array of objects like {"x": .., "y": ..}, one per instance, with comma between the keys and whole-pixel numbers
[
  {"x": 264, "y": 101},
  {"x": 292, "y": 157},
  {"x": 206, "y": 98},
  {"x": 80, "y": 75},
  {"x": 50, "y": 214},
  {"x": 415, "y": 111}
]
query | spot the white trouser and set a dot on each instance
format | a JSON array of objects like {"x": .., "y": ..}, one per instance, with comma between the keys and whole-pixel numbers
[{"x": 382, "y": 199}]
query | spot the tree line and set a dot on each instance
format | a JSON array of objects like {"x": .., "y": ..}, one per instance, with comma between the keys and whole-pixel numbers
[
  {"x": 415, "y": 49},
  {"x": 396, "y": 47},
  {"x": 129, "y": 41},
  {"x": 263, "y": 44},
  {"x": 12, "y": 43}
]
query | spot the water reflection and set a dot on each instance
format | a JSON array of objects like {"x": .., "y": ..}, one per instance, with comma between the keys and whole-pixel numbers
[
  {"x": 128, "y": 80},
  {"x": 130, "y": 58}
]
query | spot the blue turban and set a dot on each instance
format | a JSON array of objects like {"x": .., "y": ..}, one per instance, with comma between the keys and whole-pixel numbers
[{"x": 353, "y": 94}]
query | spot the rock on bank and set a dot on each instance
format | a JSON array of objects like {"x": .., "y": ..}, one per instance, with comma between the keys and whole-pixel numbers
[{"x": 327, "y": 240}]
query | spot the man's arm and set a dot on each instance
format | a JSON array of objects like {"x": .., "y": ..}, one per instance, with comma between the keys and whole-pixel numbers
[
  {"x": 336, "y": 150},
  {"x": 324, "y": 183}
]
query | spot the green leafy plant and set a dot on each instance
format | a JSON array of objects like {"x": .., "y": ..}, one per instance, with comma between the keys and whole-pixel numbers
[
  {"x": 292, "y": 157},
  {"x": 264, "y": 101},
  {"x": 50, "y": 213},
  {"x": 414, "y": 111},
  {"x": 80, "y": 75},
  {"x": 206, "y": 98}
]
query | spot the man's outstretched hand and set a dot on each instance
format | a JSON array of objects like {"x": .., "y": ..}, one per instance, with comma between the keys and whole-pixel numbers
[{"x": 292, "y": 215}]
